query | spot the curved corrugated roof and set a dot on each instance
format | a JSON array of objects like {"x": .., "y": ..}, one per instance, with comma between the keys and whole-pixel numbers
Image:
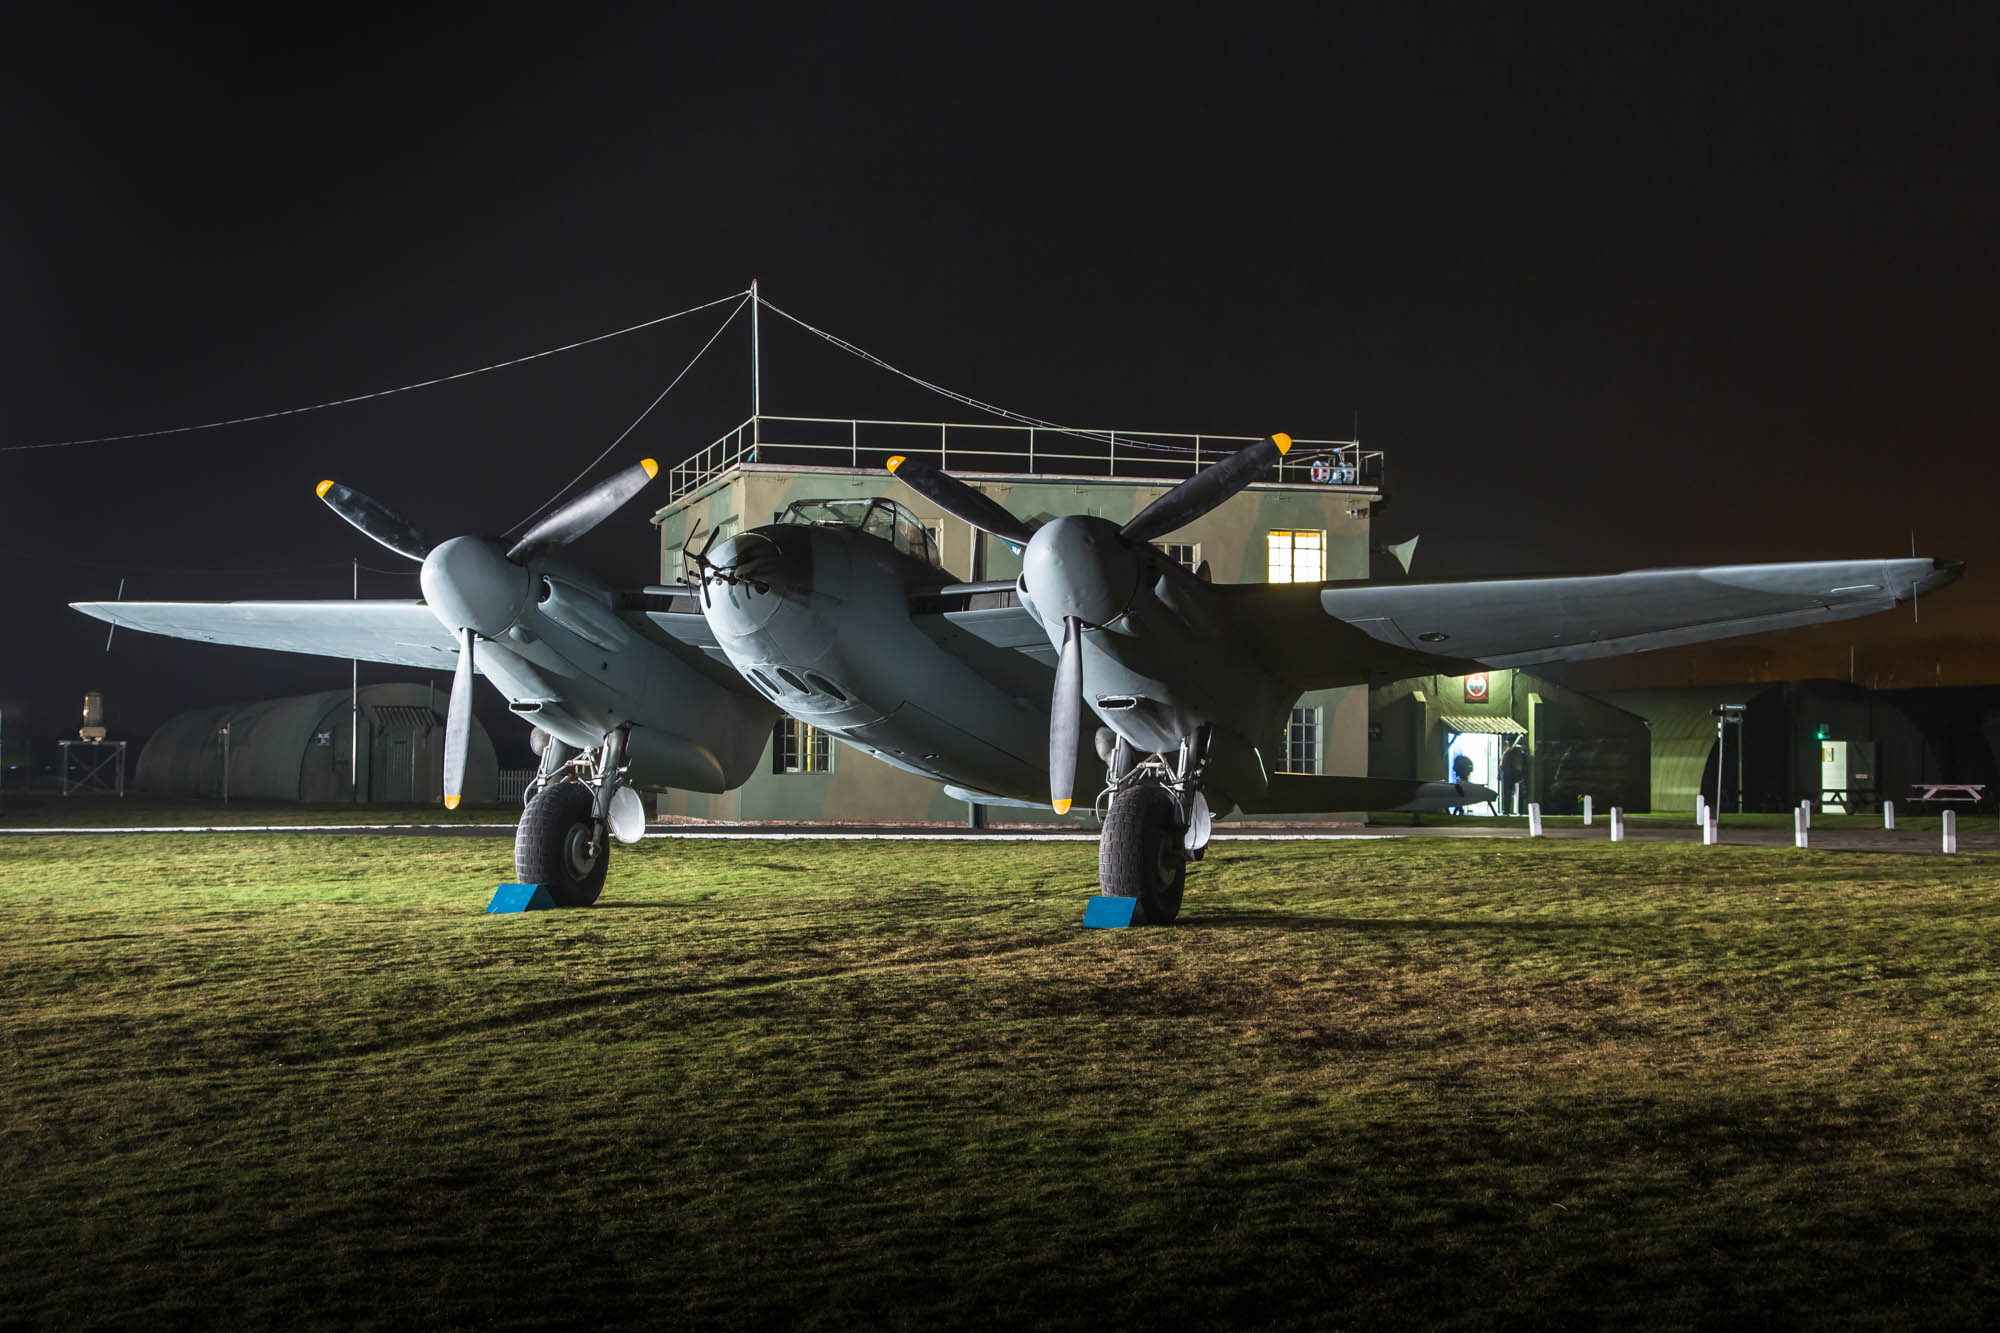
[
  {"x": 1683, "y": 726},
  {"x": 275, "y": 753}
]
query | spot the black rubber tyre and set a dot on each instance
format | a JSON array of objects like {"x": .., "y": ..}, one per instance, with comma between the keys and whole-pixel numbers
[
  {"x": 552, "y": 845},
  {"x": 1139, "y": 854}
]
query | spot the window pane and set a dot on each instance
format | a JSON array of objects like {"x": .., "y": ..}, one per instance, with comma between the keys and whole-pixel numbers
[
  {"x": 1297, "y": 556},
  {"x": 1281, "y": 557},
  {"x": 1308, "y": 559},
  {"x": 1302, "y": 741},
  {"x": 799, "y": 747}
]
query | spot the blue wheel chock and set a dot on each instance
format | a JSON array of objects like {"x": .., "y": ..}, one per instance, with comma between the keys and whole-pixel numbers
[
  {"x": 521, "y": 898},
  {"x": 1105, "y": 912}
]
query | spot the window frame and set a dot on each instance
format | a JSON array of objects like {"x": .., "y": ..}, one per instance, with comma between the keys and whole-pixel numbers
[
  {"x": 800, "y": 748},
  {"x": 1302, "y": 740},
  {"x": 1290, "y": 545}
]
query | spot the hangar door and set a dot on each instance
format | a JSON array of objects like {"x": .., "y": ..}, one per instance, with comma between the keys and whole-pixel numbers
[{"x": 406, "y": 758}]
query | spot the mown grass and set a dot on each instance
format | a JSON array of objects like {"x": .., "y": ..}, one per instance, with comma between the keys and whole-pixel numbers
[
  {"x": 42, "y": 810},
  {"x": 303, "y": 1080}
]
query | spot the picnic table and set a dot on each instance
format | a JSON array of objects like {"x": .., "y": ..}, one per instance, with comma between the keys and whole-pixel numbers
[{"x": 1965, "y": 793}]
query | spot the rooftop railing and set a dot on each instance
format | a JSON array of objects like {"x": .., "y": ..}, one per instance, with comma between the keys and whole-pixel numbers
[{"x": 973, "y": 447}]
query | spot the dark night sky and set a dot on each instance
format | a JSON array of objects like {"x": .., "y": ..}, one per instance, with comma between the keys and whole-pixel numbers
[{"x": 1613, "y": 286}]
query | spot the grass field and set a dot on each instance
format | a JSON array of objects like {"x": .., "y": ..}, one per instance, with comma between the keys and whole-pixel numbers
[
  {"x": 302, "y": 1080},
  {"x": 43, "y": 810}
]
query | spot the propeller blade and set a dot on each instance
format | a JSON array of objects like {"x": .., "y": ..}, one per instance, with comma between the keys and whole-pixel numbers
[
  {"x": 458, "y": 724},
  {"x": 374, "y": 519},
  {"x": 959, "y": 500},
  {"x": 585, "y": 512},
  {"x": 1066, "y": 716},
  {"x": 1205, "y": 490}
]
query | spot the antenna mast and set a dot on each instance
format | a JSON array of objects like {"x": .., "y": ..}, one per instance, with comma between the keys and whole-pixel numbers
[{"x": 756, "y": 357}]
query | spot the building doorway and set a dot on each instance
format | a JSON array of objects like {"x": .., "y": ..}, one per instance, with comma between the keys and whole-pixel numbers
[{"x": 1483, "y": 749}]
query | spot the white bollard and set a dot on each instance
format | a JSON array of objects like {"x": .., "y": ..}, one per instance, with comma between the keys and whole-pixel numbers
[
  {"x": 1799, "y": 827},
  {"x": 1617, "y": 824},
  {"x": 1708, "y": 831},
  {"x": 1534, "y": 819},
  {"x": 1805, "y": 811},
  {"x": 1888, "y": 814},
  {"x": 1586, "y": 812},
  {"x": 1950, "y": 831},
  {"x": 1700, "y": 809}
]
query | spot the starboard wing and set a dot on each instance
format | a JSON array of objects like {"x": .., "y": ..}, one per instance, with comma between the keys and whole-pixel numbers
[{"x": 1377, "y": 632}]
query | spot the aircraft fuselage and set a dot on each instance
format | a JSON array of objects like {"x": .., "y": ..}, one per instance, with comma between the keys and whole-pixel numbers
[
  {"x": 835, "y": 627},
  {"x": 819, "y": 620}
]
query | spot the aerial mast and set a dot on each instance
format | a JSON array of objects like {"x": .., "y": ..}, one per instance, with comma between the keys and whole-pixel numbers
[{"x": 756, "y": 387}]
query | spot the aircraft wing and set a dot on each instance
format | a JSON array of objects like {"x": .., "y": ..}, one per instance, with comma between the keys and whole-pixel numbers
[
  {"x": 993, "y": 613},
  {"x": 400, "y": 633},
  {"x": 1518, "y": 622},
  {"x": 1387, "y": 631},
  {"x": 675, "y": 609}
]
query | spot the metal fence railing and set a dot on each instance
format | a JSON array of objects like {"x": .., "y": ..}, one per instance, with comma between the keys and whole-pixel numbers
[{"x": 1001, "y": 447}]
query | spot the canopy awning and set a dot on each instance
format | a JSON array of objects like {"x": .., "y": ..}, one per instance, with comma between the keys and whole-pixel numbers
[{"x": 1500, "y": 725}]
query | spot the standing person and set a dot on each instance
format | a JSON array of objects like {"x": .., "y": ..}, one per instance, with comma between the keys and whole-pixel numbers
[
  {"x": 1461, "y": 773},
  {"x": 1513, "y": 767}
]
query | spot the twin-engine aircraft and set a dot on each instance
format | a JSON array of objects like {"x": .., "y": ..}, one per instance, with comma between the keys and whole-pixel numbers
[{"x": 840, "y": 614}]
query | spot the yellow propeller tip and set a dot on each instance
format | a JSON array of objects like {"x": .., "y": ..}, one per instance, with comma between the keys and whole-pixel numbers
[
  {"x": 321, "y": 489},
  {"x": 451, "y": 802},
  {"x": 1284, "y": 443},
  {"x": 1061, "y": 807},
  {"x": 652, "y": 468},
  {"x": 897, "y": 462}
]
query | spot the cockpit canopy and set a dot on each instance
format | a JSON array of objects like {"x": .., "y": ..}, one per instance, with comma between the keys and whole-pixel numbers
[{"x": 876, "y": 518}]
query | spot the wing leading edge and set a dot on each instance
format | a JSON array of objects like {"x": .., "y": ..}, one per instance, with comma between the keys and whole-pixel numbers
[
  {"x": 1519, "y": 622},
  {"x": 399, "y": 633}
]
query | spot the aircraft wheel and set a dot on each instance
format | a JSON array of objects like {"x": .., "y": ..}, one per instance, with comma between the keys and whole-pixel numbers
[
  {"x": 553, "y": 845},
  {"x": 1140, "y": 855}
]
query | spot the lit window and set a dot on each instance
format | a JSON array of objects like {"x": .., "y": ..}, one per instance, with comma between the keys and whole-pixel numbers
[
  {"x": 1297, "y": 556},
  {"x": 1302, "y": 742},
  {"x": 1187, "y": 555},
  {"x": 800, "y": 747}
]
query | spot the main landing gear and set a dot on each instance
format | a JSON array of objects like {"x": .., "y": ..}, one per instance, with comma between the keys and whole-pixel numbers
[
  {"x": 577, "y": 803},
  {"x": 1156, "y": 820}
]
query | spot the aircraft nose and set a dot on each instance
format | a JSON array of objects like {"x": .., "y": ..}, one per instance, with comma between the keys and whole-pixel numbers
[
  {"x": 470, "y": 584},
  {"x": 1078, "y": 566},
  {"x": 751, "y": 574}
]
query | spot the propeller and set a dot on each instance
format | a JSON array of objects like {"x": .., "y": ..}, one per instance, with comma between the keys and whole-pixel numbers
[
  {"x": 585, "y": 512},
  {"x": 375, "y": 519},
  {"x": 1066, "y": 716},
  {"x": 960, "y": 500},
  {"x": 1205, "y": 490},
  {"x": 1074, "y": 557},
  {"x": 468, "y": 584},
  {"x": 458, "y": 723}
]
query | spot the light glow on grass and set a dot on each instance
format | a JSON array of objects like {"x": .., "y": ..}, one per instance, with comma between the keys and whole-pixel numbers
[{"x": 304, "y": 1080}]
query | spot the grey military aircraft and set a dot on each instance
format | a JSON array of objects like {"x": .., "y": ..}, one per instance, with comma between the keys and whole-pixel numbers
[{"x": 840, "y": 614}]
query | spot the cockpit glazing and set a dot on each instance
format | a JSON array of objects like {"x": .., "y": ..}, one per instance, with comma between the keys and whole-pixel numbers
[{"x": 879, "y": 518}]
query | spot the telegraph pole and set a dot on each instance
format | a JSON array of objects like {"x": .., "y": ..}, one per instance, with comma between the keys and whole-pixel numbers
[{"x": 354, "y": 710}]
